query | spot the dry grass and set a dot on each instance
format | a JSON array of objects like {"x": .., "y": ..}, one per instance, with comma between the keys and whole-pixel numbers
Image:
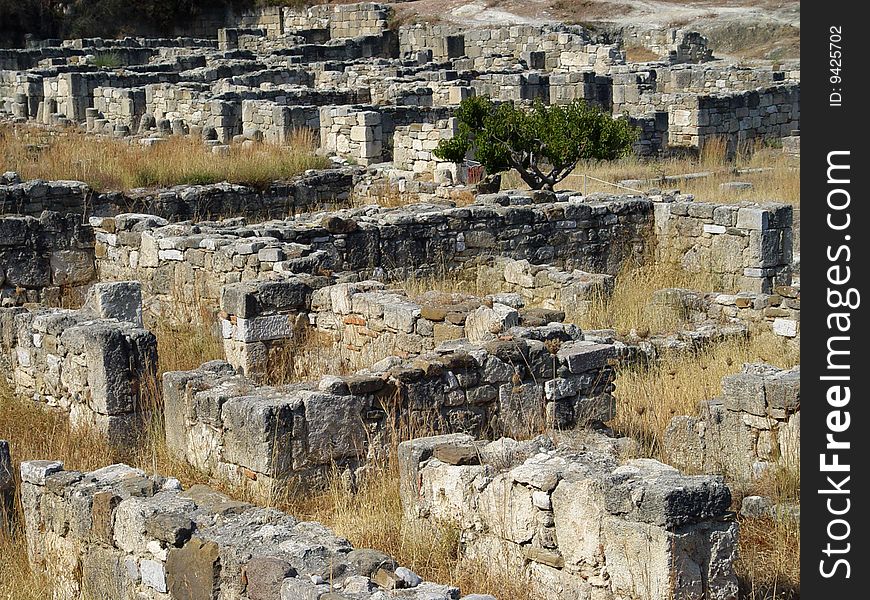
[
  {"x": 649, "y": 396},
  {"x": 307, "y": 357},
  {"x": 767, "y": 565},
  {"x": 109, "y": 164},
  {"x": 372, "y": 518},
  {"x": 779, "y": 181},
  {"x": 639, "y": 54},
  {"x": 628, "y": 307}
]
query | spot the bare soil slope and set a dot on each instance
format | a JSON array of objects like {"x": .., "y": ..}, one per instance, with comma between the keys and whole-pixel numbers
[{"x": 741, "y": 29}]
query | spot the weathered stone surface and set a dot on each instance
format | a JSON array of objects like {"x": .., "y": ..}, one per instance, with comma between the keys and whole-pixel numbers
[
  {"x": 264, "y": 576},
  {"x": 193, "y": 570}
]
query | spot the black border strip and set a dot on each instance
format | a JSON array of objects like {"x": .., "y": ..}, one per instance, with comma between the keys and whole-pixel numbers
[{"x": 834, "y": 249}]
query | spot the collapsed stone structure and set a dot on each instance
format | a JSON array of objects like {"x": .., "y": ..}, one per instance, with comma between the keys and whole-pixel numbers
[
  {"x": 265, "y": 436},
  {"x": 366, "y": 88},
  {"x": 273, "y": 270},
  {"x": 119, "y": 533},
  {"x": 752, "y": 429},
  {"x": 577, "y": 524},
  {"x": 98, "y": 363}
]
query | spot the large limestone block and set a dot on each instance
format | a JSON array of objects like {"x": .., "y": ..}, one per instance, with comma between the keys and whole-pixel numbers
[
  {"x": 484, "y": 323},
  {"x": 334, "y": 426},
  {"x": 578, "y": 513},
  {"x": 193, "y": 571},
  {"x": 507, "y": 510},
  {"x": 413, "y": 452},
  {"x": 447, "y": 492},
  {"x": 72, "y": 267},
  {"x": 258, "y": 433},
  {"x": 646, "y": 561},
  {"x": 120, "y": 300}
]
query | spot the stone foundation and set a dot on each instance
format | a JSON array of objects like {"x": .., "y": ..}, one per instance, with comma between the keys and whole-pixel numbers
[
  {"x": 753, "y": 429},
  {"x": 97, "y": 364},
  {"x": 577, "y": 525},
  {"x": 119, "y": 533},
  {"x": 262, "y": 437}
]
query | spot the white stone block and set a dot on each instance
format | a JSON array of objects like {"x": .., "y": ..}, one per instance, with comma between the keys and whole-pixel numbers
[
  {"x": 35, "y": 471},
  {"x": 153, "y": 575},
  {"x": 785, "y": 327}
]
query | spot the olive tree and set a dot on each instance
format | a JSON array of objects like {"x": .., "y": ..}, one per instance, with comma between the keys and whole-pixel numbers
[{"x": 542, "y": 143}]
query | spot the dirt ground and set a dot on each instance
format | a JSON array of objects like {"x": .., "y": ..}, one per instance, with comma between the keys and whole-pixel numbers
[{"x": 738, "y": 29}]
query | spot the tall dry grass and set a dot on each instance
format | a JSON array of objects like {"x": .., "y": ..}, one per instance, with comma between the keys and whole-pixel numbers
[
  {"x": 648, "y": 396},
  {"x": 778, "y": 181},
  {"x": 627, "y": 308},
  {"x": 371, "y": 517},
  {"x": 767, "y": 564},
  {"x": 110, "y": 164}
]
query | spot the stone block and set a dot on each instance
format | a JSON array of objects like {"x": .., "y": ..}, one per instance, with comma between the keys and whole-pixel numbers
[
  {"x": 120, "y": 300},
  {"x": 583, "y": 357},
  {"x": 485, "y": 323},
  {"x": 258, "y": 433},
  {"x": 36, "y": 471},
  {"x": 72, "y": 267},
  {"x": 193, "y": 571}
]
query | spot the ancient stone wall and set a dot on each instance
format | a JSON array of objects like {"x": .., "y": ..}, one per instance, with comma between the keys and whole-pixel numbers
[
  {"x": 413, "y": 145},
  {"x": 369, "y": 320},
  {"x": 352, "y": 133},
  {"x": 779, "y": 311},
  {"x": 564, "y": 48},
  {"x": 763, "y": 114},
  {"x": 117, "y": 533},
  {"x": 676, "y": 45},
  {"x": 596, "y": 237},
  {"x": 750, "y": 432},
  {"x": 41, "y": 257},
  {"x": 747, "y": 247},
  {"x": 119, "y": 106},
  {"x": 97, "y": 364},
  {"x": 576, "y": 524},
  {"x": 262, "y": 436},
  {"x": 317, "y": 189}
]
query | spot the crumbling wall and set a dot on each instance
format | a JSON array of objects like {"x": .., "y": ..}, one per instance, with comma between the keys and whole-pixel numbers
[
  {"x": 94, "y": 363},
  {"x": 596, "y": 236},
  {"x": 370, "y": 321},
  {"x": 751, "y": 431},
  {"x": 413, "y": 145},
  {"x": 576, "y": 524},
  {"x": 746, "y": 247},
  {"x": 541, "y": 286},
  {"x": 262, "y": 436},
  {"x": 763, "y": 114},
  {"x": 119, "y": 533},
  {"x": 352, "y": 133},
  {"x": 41, "y": 257}
]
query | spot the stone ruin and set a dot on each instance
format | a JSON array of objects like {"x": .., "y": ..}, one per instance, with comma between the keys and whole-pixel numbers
[
  {"x": 118, "y": 533},
  {"x": 578, "y": 522},
  {"x": 372, "y": 92},
  {"x": 270, "y": 270},
  {"x": 753, "y": 428}
]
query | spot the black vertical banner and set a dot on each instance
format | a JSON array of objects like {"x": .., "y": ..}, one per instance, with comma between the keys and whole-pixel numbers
[{"x": 835, "y": 250}]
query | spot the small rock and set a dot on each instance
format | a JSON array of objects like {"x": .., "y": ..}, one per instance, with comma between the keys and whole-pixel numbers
[{"x": 410, "y": 578}]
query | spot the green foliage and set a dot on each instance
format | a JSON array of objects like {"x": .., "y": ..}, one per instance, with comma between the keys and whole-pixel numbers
[
  {"x": 543, "y": 143},
  {"x": 107, "y": 60}
]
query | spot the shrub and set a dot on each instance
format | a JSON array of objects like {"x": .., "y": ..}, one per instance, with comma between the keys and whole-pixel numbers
[{"x": 543, "y": 143}]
